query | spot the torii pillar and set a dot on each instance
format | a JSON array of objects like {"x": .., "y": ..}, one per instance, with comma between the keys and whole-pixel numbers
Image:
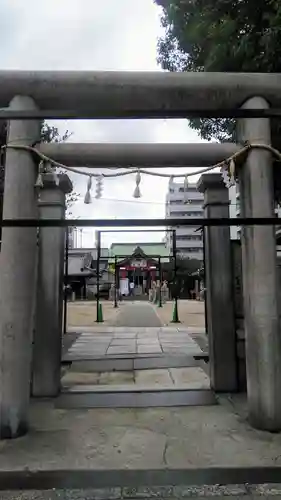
[
  {"x": 18, "y": 275},
  {"x": 46, "y": 366},
  {"x": 260, "y": 277},
  {"x": 219, "y": 286}
]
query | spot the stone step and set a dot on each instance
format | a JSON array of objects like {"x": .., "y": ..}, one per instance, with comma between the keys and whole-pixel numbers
[
  {"x": 75, "y": 357},
  {"x": 136, "y": 362},
  {"x": 82, "y": 494},
  {"x": 216, "y": 483},
  {"x": 133, "y": 396}
]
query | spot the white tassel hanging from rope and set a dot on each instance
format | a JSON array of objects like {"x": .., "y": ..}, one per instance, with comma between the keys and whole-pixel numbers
[
  {"x": 88, "y": 197},
  {"x": 39, "y": 181},
  {"x": 225, "y": 176},
  {"x": 99, "y": 187},
  {"x": 185, "y": 189},
  {"x": 171, "y": 181},
  {"x": 232, "y": 171},
  {"x": 137, "y": 193},
  {"x": 228, "y": 174}
]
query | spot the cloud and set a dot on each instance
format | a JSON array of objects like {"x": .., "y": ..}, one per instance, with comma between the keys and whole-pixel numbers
[{"x": 95, "y": 35}]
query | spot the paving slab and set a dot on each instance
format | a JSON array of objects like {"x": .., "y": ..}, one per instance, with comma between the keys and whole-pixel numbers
[
  {"x": 89, "y": 345},
  {"x": 71, "y": 378},
  {"x": 147, "y": 340},
  {"x": 149, "y": 349},
  {"x": 123, "y": 341},
  {"x": 195, "y": 378},
  {"x": 192, "y": 351},
  {"x": 123, "y": 335},
  {"x": 120, "y": 378},
  {"x": 79, "y": 351},
  {"x": 153, "y": 377},
  {"x": 121, "y": 349}
]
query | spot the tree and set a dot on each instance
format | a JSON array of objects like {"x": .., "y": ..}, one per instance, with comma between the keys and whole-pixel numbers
[
  {"x": 221, "y": 35},
  {"x": 185, "y": 269},
  {"x": 51, "y": 134},
  {"x": 48, "y": 134}
]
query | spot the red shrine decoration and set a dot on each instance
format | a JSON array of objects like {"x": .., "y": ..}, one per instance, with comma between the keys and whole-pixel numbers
[{"x": 138, "y": 262}]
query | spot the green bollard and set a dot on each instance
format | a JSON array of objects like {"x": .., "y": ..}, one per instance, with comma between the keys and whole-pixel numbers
[
  {"x": 175, "y": 318},
  {"x": 100, "y": 314}
]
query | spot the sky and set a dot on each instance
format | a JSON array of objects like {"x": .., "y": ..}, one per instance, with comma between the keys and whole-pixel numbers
[{"x": 96, "y": 35}]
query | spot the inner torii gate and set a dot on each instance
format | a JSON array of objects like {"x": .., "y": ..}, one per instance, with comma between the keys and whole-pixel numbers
[{"x": 28, "y": 97}]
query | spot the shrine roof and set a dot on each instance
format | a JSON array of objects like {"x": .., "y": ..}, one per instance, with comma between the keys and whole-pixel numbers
[{"x": 128, "y": 250}]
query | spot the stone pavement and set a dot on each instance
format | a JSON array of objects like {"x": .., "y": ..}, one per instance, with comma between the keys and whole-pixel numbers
[
  {"x": 137, "y": 331},
  {"x": 107, "y": 341},
  {"x": 183, "y": 377},
  {"x": 139, "y": 357},
  {"x": 141, "y": 439}
]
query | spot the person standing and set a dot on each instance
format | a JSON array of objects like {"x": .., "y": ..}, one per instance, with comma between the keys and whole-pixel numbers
[{"x": 131, "y": 288}]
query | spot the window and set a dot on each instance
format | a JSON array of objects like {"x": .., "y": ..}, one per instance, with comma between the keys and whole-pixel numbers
[
  {"x": 178, "y": 214},
  {"x": 190, "y": 250},
  {"x": 186, "y": 214},
  {"x": 190, "y": 188},
  {"x": 187, "y": 237},
  {"x": 195, "y": 202},
  {"x": 187, "y": 202}
]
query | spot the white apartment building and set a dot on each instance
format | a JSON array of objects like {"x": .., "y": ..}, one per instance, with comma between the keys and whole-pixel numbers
[{"x": 181, "y": 205}]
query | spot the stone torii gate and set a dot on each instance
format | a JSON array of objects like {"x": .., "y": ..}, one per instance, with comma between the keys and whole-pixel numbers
[{"x": 28, "y": 97}]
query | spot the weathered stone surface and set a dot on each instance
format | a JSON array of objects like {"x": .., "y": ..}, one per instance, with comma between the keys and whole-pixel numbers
[{"x": 195, "y": 378}]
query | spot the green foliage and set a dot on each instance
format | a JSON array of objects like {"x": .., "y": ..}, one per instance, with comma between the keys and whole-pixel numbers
[
  {"x": 185, "y": 268},
  {"x": 184, "y": 280},
  {"x": 51, "y": 134},
  {"x": 221, "y": 35},
  {"x": 48, "y": 134}
]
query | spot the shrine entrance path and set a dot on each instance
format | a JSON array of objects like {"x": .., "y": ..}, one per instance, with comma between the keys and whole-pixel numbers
[
  {"x": 138, "y": 314},
  {"x": 137, "y": 331}
]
